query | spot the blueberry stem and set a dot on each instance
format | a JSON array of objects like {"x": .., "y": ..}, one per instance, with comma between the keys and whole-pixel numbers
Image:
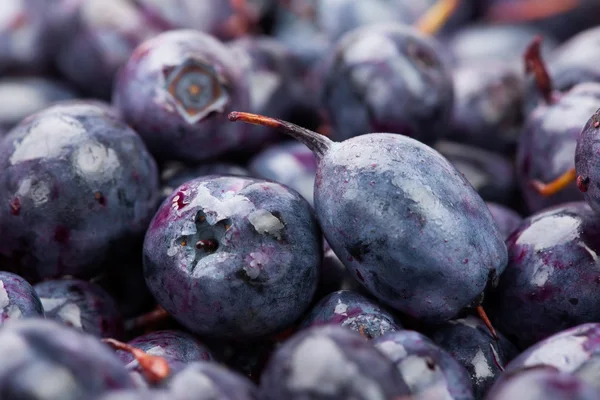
[
  {"x": 155, "y": 368},
  {"x": 317, "y": 143},
  {"x": 436, "y": 16},
  {"x": 151, "y": 318},
  {"x": 527, "y": 10},
  {"x": 560, "y": 183},
  {"x": 486, "y": 321},
  {"x": 534, "y": 63}
]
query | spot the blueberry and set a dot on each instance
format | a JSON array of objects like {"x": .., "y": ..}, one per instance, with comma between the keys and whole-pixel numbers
[
  {"x": 18, "y": 299},
  {"x": 388, "y": 78},
  {"x": 428, "y": 370},
  {"x": 552, "y": 277},
  {"x": 289, "y": 163},
  {"x": 506, "y": 219},
  {"x": 487, "y": 112},
  {"x": 332, "y": 363},
  {"x": 175, "y": 91},
  {"x": 354, "y": 311},
  {"x": 542, "y": 383},
  {"x": 403, "y": 220},
  {"x": 549, "y": 141},
  {"x": 22, "y": 96},
  {"x": 233, "y": 257},
  {"x": 83, "y": 305},
  {"x": 568, "y": 351},
  {"x": 490, "y": 174},
  {"x": 77, "y": 186},
  {"x": 42, "y": 359},
  {"x": 210, "y": 381},
  {"x": 176, "y": 347},
  {"x": 468, "y": 340}
]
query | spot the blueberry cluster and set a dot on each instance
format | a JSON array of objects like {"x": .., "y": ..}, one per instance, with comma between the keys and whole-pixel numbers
[{"x": 299, "y": 200}]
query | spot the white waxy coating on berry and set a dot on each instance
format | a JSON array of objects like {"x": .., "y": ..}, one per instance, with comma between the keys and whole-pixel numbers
[
  {"x": 481, "y": 366},
  {"x": 266, "y": 223}
]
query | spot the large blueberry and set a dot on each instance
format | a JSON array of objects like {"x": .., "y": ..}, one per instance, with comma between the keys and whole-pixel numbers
[
  {"x": 468, "y": 340},
  {"x": 429, "y": 371},
  {"x": 176, "y": 90},
  {"x": 77, "y": 186},
  {"x": 587, "y": 161},
  {"x": 18, "y": 299},
  {"x": 388, "y": 78},
  {"x": 176, "y": 347},
  {"x": 354, "y": 311},
  {"x": 552, "y": 280},
  {"x": 403, "y": 220},
  {"x": 289, "y": 163},
  {"x": 45, "y": 360},
  {"x": 233, "y": 257},
  {"x": 330, "y": 363},
  {"x": 81, "y": 304},
  {"x": 548, "y": 143},
  {"x": 210, "y": 381}
]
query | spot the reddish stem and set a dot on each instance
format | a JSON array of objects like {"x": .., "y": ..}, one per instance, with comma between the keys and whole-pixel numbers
[
  {"x": 534, "y": 63},
  {"x": 317, "y": 143},
  {"x": 487, "y": 321},
  {"x": 151, "y": 318},
  {"x": 155, "y": 368},
  {"x": 557, "y": 185}
]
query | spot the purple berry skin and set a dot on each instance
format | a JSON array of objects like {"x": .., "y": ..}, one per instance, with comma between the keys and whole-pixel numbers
[
  {"x": 542, "y": 383},
  {"x": 176, "y": 347},
  {"x": 388, "y": 78},
  {"x": 176, "y": 90},
  {"x": 211, "y": 381},
  {"x": 553, "y": 275},
  {"x": 222, "y": 254},
  {"x": 429, "y": 371},
  {"x": 43, "y": 359},
  {"x": 548, "y": 143},
  {"x": 289, "y": 163},
  {"x": 76, "y": 202},
  {"x": 18, "y": 299},
  {"x": 569, "y": 350},
  {"x": 491, "y": 175},
  {"x": 487, "y": 113},
  {"x": 23, "y": 96},
  {"x": 353, "y": 311},
  {"x": 587, "y": 162},
  {"x": 488, "y": 43},
  {"x": 82, "y": 305},
  {"x": 332, "y": 363},
  {"x": 506, "y": 219},
  {"x": 469, "y": 341},
  {"x": 445, "y": 247}
]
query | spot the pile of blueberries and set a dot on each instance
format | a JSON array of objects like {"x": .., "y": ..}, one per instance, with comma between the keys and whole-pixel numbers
[{"x": 299, "y": 199}]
